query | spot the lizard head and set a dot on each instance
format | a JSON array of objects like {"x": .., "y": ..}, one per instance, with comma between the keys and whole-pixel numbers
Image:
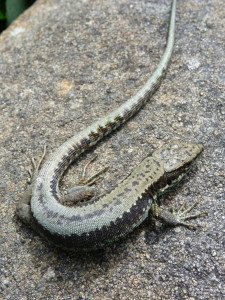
[{"x": 177, "y": 158}]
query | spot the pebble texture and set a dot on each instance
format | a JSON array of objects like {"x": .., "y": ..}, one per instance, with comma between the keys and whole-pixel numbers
[{"x": 64, "y": 64}]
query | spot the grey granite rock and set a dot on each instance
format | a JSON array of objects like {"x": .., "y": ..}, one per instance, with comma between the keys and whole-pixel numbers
[{"x": 64, "y": 64}]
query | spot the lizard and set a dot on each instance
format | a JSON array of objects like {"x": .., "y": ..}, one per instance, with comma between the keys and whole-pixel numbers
[{"x": 95, "y": 223}]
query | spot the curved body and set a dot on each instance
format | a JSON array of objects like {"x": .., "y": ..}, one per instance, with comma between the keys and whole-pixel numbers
[{"x": 93, "y": 224}]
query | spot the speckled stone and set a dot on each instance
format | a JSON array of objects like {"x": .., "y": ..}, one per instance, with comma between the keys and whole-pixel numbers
[{"x": 64, "y": 64}]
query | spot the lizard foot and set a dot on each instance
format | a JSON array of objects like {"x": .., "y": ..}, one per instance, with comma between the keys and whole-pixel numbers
[
  {"x": 93, "y": 179},
  {"x": 84, "y": 190},
  {"x": 23, "y": 210},
  {"x": 176, "y": 218}
]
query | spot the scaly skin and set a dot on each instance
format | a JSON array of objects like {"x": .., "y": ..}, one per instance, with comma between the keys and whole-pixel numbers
[{"x": 92, "y": 224}]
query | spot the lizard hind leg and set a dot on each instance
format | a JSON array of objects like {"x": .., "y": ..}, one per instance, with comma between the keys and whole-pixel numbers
[
  {"x": 23, "y": 210},
  {"x": 84, "y": 191},
  {"x": 78, "y": 193}
]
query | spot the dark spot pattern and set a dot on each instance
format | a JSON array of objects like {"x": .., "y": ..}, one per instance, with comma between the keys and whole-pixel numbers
[
  {"x": 117, "y": 202},
  {"x": 40, "y": 186},
  {"x": 120, "y": 195},
  {"x": 97, "y": 212},
  {"x": 76, "y": 218},
  {"x": 119, "y": 119},
  {"x": 65, "y": 159},
  {"x": 130, "y": 219},
  {"x": 100, "y": 237},
  {"x": 135, "y": 182},
  {"x": 94, "y": 135},
  {"x": 85, "y": 141},
  {"x": 102, "y": 130}
]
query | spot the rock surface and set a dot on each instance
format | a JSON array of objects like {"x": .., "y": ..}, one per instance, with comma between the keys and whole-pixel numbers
[{"x": 64, "y": 64}]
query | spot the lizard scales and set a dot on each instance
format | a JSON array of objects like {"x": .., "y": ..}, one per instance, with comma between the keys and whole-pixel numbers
[{"x": 93, "y": 224}]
